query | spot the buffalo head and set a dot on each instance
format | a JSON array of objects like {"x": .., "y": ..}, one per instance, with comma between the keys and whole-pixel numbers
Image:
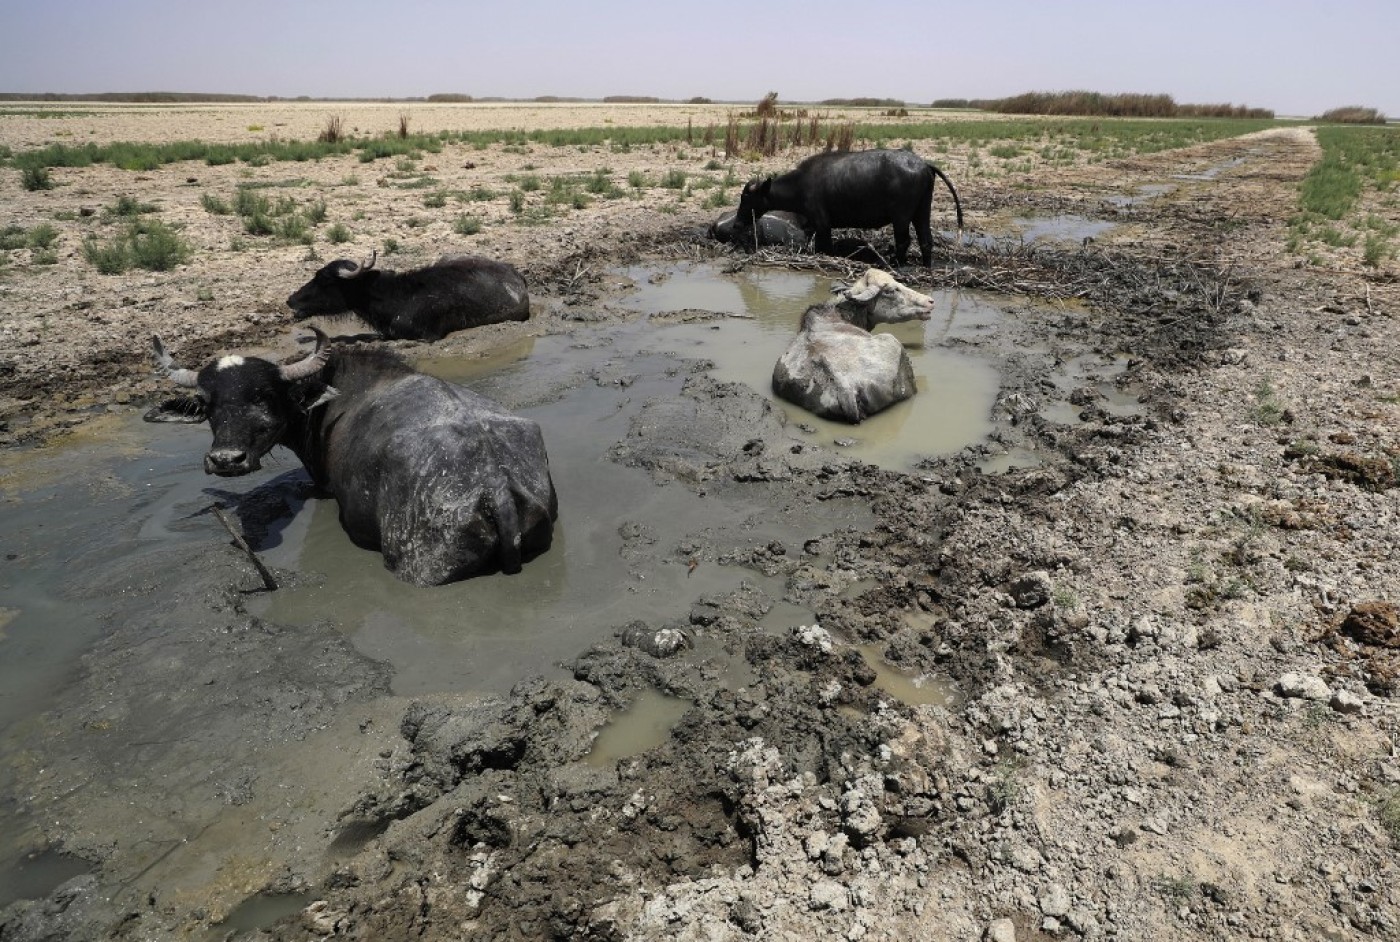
[
  {"x": 877, "y": 298},
  {"x": 754, "y": 201},
  {"x": 249, "y": 402},
  {"x": 331, "y": 290}
]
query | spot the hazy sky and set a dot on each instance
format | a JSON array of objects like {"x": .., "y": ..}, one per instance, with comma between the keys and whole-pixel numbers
[{"x": 1294, "y": 56}]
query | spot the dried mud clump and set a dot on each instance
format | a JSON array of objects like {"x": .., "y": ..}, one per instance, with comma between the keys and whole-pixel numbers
[
  {"x": 1368, "y": 473},
  {"x": 1368, "y": 637}
]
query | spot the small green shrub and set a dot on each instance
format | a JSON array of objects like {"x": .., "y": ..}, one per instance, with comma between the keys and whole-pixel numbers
[
  {"x": 109, "y": 258},
  {"x": 249, "y": 202},
  {"x": 1388, "y": 810},
  {"x": 517, "y": 201},
  {"x": 215, "y": 205},
  {"x": 44, "y": 257},
  {"x": 157, "y": 247},
  {"x": 338, "y": 233},
  {"x": 258, "y": 224},
  {"x": 293, "y": 228},
  {"x": 315, "y": 213},
  {"x": 674, "y": 180},
  {"x": 127, "y": 206},
  {"x": 435, "y": 200},
  {"x": 42, "y": 236},
  {"x": 13, "y": 237},
  {"x": 391, "y": 245},
  {"x": 1376, "y": 250},
  {"x": 467, "y": 225},
  {"x": 35, "y": 177},
  {"x": 636, "y": 180}
]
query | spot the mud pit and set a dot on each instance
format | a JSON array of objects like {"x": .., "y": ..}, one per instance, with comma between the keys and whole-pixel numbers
[{"x": 1112, "y": 621}]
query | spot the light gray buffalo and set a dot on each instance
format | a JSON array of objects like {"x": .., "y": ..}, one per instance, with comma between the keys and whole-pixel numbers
[
  {"x": 835, "y": 367},
  {"x": 443, "y": 482}
]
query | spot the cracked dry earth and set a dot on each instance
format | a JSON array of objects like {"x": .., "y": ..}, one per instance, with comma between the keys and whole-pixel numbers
[{"x": 1174, "y": 647}]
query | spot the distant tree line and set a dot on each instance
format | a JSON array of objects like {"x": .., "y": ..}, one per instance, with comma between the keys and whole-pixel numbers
[
  {"x": 1097, "y": 104},
  {"x": 137, "y": 97},
  {"x": 1353, "y": 114},
  {"x": 862, "y": 102}
]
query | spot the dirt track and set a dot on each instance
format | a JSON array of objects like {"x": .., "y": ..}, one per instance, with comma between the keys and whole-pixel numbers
[{"x": 1173, "y": 643}]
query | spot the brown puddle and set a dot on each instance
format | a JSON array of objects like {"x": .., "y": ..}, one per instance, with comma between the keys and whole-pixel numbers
[{"x": 644, "y": 725}]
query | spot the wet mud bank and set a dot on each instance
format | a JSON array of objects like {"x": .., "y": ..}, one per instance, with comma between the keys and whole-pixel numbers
[{"x": 1159, "y": 640}]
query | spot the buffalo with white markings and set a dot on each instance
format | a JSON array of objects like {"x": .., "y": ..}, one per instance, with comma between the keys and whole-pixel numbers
[
  {"x": 835, "y": 367},
  {"x": 443, "y": 482}
]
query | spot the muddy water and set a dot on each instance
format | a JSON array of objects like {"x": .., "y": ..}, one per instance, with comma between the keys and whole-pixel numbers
[
  {"x": 642, "y": 726},
  {"x": 93, "y": 530},
  {"x": 1067, "y": 228},
  {"x": 622, "y": 545},
  {"x": 956, "y": 390}
]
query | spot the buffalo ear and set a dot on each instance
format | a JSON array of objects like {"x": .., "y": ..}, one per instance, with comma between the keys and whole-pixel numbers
[
  {"x": 187, "y": 410},
  {"x": 863, "y": 290}
]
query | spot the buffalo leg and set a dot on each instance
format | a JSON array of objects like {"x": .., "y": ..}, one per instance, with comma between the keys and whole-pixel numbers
[{"x": 901, "y": 242}]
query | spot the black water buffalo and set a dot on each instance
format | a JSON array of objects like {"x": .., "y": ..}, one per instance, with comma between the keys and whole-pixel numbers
[
  {"x": 454, "y": 293},
  {"x": 775, "y": 228},
  {"x": 852, "y": 190},
  {"x": 445, "y": 483}
]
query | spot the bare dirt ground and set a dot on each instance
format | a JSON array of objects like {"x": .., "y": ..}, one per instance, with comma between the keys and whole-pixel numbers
[{"x": 1175, "y": 644}]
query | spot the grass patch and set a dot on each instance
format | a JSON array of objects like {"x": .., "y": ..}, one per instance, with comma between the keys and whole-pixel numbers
[
  {"x": 151, "y": 245},
  {"x": 127, "y": 206},
  {"x": 338, "y": 233},
  {"x": 1388, "y": 811},
  {"x": 1268, "y": 410},
  {"x": 215, "y": 205},
  {"x": 41, "y": 237},
  {"x": 33, "y": 176},
  {"x": 157, "y": 247},
  {"x": 467, "y": 225},
  {"x": 1355, "y": 161},
  {"x": 13, "y": 237}
]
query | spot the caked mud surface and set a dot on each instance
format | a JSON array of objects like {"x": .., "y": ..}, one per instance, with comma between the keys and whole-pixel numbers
[{"x": 1168, "y": 639}]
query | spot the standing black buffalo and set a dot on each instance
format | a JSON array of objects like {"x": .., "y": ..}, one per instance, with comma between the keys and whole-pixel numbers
[
  {"x": 852, "y": 190},
  {"x": 444, "y": 482},
  {"x": 454, "y": 293}
]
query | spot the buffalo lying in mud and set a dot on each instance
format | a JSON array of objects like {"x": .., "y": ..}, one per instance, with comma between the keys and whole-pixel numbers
[
  {"x": 851, "y": 190},
  {"x": 836, "y": 368},
  {"x": 445, "y": 483},
  {"x": 454, "y": 293},
  {"x": 775, "y": 228}
]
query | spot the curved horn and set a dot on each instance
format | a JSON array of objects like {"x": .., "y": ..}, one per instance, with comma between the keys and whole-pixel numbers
[
  {"x": 359, "y": 270},
  {"x": 166, "y": 364},
  {"x": 310, "y": 364}
]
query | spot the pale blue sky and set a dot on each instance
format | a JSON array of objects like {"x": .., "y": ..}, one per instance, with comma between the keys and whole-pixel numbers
[{"x": 1298, "y": 58}]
